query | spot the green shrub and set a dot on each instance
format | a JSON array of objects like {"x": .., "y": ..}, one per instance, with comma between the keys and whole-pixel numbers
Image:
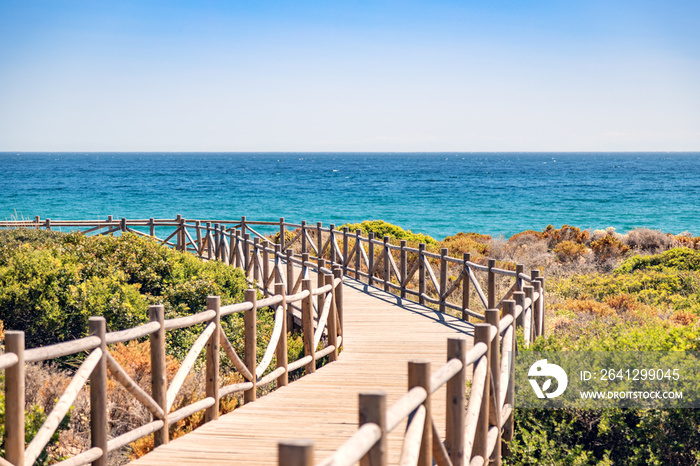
[
  {"x": 381, "y": 229},
  {"x": 626, "y": 310},
  {"x": 51, "y": 283},
  {"x": 668, "y": 289},
  {"x": 678, "y": 259}
]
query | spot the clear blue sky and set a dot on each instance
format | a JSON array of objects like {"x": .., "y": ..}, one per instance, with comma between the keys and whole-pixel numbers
[{"x": 349, "y": 76}]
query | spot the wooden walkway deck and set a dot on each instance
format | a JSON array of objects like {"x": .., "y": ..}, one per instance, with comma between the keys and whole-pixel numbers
[{"x": 381, "y": 334}]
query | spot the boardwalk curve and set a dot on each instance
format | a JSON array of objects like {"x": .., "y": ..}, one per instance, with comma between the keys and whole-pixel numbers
[{"x": 382, "y": 333}]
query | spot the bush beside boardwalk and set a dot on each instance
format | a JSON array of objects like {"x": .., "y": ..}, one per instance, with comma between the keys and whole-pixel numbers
[
  {"x": 605, "y": 291},
  {"x": 51, "y": 283}
]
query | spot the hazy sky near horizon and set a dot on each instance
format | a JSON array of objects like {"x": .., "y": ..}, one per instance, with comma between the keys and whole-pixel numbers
[{"x": 350, "y": 76}]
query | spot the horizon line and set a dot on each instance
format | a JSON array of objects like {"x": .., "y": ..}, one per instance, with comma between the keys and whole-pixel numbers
[{"x": 346, "y": 152}]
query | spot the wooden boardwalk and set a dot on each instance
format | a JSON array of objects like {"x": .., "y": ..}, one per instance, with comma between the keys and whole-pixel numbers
[{"x": 381, "y": 334}]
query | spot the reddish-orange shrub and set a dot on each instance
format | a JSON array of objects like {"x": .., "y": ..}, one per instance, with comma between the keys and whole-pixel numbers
[
  {"x": 460, "y": 243},
  {"x": 609, "y": 247},
  {"x": 569, "y": 251},
  {"x": 589, "y": 306}
]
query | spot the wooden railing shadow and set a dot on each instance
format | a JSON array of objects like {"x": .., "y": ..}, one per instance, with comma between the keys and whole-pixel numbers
[{"x": 283, "y": 276}]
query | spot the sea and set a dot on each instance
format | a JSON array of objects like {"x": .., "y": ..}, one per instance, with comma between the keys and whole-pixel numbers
[{"x": 439, "y": 194}]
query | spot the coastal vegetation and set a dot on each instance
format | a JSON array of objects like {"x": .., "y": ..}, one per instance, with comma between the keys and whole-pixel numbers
[
  {"x": 605, "y": 291},
  {"x": 51, "y": 283}
]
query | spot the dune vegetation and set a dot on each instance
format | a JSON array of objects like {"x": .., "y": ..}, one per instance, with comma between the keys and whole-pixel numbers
[
  {"x": 605, "y": 291},
  {"x": 51, "y": 283},
  {"x": 638, "y": 291}
]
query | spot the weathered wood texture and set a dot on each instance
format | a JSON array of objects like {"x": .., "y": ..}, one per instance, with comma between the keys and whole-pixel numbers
[{"x": 384, "y": 333}]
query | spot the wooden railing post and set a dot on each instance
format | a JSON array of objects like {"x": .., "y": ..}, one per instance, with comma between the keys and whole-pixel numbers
[
  {"x": 212, "y": 360},
  {"x": 37, "y": 221},
  {"x": 265, "y": 267},
  {"x": 419, "y": 376},
  {"x": 319, "y": 239},
  {"x": 456, "y": 401},
  {"x": 332, "y": 319},
  {"x": 283, "y": 242},
  {"x": 223, "y": 257},
  {"x": 346, "y": 251},
  {"x": 307, "y": 324},
  {"x": 250, "y": 328},
  {"x": 493, "y": 317},
  {"x": 47, "y": 224},
  {"x": 443, "y": 279},
  {"x": 421, "y": 273},
  {"x": 491, "y": 283},
  {"x": 295, "y": 453},
  {"x": 519, "y": 298},
  {"x": 537, "y": 284},
  {"x": 232, "y": 242},
  {"x": 373, "y": 409},
  {"x": 528, "y": 318},
  {"x": 215, "y": 241},
  {"x": 508, "y": 427},
  {"x": 99, "y": 423},
  {"x": 198, "y": 232},
  {"x": 290, "y": 273},
  {"x": 319, "y": 274},
  {"x": 256, "y": 262},
  {"x": 403, "y": 268},
  {"x": 358, "y": 257},
  {"x": 321, "y": 298},
  {"x": 387, "y": 274},
  {"x": 122, "y": 225},
  {"x": 246, "y": 254},
  {"x": 180, "y": 234},
  {"x": 542, "y": 304},
  {"x": 331, "y": 244},
  {"x": 370, "y": 256},
  {"x": 151, "y": 226},
  {"x": 537, "y": 309},
  {"x": 338, "y": 298},
  {"x": 243, "y": 227},
  {"x": 303, "y": 237},
  {"x": 482, "y": 334},
  {"x": 519, "y": 268},
  {"x": 159, "y": 380},
  {"x": 305, "y": 257},
  {"x": 238, "y": 260},
  {"x": 14, "y": 399},
  {"x": 281, "y": 351},
  {"x": 278, "y": 265},
  {"x": 466, "y": 286}
]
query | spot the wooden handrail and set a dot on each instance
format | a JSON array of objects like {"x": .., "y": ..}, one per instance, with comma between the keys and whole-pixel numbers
[
  {"x": 159, "y": 404},
  {"x": 262, "y": 262}
]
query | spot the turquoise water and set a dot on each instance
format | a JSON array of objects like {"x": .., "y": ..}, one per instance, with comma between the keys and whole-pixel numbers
[{"x": 434, "y": 193}]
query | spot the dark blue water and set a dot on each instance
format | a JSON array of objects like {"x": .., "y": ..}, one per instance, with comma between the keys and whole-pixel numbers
[{"x": 438, "y": 194}]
